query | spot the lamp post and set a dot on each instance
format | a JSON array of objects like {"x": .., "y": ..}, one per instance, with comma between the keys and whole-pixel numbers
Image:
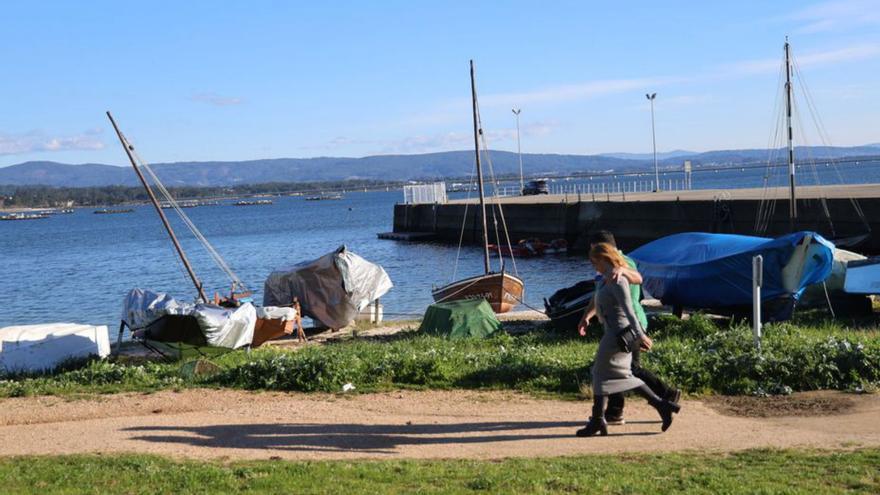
[
  {"x": 522, "y": 185},
  {"x": 650, "y": 98}
]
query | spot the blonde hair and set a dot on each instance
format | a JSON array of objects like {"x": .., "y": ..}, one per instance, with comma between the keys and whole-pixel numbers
[{"x": 608, "y": 253}]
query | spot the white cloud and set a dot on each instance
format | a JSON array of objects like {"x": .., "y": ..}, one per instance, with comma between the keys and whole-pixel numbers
[
  {"x": 575, "y": 92},
  {"x": 837, "y": 15},
  {"x": 217, "y": 100},
  {"x": 32, "y": 142}
]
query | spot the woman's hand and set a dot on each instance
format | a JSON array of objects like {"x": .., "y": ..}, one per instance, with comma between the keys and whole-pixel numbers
[
  {"x": 585, "y": 322},
  {"x": 647, "y": 343}
]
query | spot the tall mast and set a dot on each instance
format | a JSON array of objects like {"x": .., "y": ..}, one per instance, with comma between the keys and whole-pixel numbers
[
  {"x": 792, "y": 208},
  {"x": 477, "y": 132},
  {"x": 128, "y": 151}
]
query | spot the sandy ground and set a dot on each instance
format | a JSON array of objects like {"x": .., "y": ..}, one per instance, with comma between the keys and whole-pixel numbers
[{"x": 224, "y": 424}]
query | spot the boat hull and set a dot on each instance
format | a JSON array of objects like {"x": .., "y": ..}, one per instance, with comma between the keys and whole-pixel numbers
[
  {"x": 567, "y": 306},
  {"x": 501, "y": 290}
]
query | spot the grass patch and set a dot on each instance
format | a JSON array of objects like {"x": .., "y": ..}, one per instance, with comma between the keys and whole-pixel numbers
[
  {"x": 699, "y": 355},
  {"x": 754, "y": 471}
]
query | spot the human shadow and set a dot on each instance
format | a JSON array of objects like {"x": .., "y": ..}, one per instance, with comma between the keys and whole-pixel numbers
[{"x": 365, "y": 438}]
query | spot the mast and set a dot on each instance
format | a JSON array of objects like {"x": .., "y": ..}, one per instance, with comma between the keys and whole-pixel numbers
[
  {"x": 477, "y": 132},
  {"x": 792, "y": 208},
  {"x": 128, "y": 151}
]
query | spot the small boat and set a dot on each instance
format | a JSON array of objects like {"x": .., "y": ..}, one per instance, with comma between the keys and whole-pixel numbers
[
  {"x": 257, "y": 202},
  {"x": 108, "y": 211},
  {"x": 24, "y": 216},
  {"x": 34, "y": 348},
  {"x": 862, "y": 276},
  {"x": 714, "y": 271},
  {"x": 527, "y": 248},
  {"x": 566, "y": 306},
  {"x": 502, "y": 290},
  {"x": 325, "y": 197}
]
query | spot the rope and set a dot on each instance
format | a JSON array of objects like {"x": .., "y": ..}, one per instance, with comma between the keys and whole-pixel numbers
[
  {"x": 463, "y": 223},
  {"x": 218, "y": 259}
]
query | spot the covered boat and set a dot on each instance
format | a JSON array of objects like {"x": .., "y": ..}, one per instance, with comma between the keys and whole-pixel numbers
[
  {"x": 332, "y": 289},
  {"x": 31, "y": 348},
  {"x": 714, "y": 271}
]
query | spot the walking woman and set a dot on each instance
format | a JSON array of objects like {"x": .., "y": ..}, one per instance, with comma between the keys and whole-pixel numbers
[{"x": 612, "y": 371}]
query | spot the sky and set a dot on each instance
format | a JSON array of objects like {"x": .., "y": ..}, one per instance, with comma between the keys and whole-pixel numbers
[{"x": 206, "y": 80}]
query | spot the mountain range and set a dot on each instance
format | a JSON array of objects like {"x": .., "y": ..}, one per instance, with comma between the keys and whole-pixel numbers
[{"x": 429, "y": 166}]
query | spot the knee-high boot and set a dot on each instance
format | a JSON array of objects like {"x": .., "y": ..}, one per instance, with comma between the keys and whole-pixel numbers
[
  {"x": 597, "y": 422},
  {"x": 663, "y": 406}
]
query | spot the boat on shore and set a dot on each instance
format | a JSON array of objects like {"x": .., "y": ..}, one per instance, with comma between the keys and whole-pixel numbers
[
  {"x": 502, "y": 290},
  {"x": 566, "y": 307},
  {"x": 697, "y": 270}
]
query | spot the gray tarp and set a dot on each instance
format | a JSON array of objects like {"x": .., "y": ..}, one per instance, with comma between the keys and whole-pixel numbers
[
  {"x": 331, "y": 289},
  {"x": 222, "y": 327}
]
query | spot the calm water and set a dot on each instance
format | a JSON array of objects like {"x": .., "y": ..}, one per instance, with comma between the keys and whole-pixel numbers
[{"x": 79, "y": 267}]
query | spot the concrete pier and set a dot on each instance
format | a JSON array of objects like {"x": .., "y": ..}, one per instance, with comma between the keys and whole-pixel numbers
[{"x": 642, "y": 217}]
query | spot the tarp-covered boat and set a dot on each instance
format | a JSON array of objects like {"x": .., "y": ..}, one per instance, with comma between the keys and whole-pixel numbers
[
  {"x": 30, "y": 348},
  {"x": 714, "y": 271},
  {"x": 332, "y": 289}
]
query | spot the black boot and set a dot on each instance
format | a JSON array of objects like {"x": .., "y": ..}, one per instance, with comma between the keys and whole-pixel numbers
[
  {"x": 597, "y": 423},
  {"x": 665, "y": 408}
]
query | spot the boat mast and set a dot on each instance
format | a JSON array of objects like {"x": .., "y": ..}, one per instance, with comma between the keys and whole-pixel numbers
[
  {"x": 477, "y": 132},
  {"x": 792, "y": 208},
  {"x": 128, "y": 149}
]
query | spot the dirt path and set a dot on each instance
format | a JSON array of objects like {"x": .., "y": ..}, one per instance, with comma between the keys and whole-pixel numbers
[{"x": 482, "y": 425}]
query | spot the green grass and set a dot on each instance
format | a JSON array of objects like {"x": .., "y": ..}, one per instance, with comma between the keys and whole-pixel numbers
[
  {"x": 755, "y": 471},
  {"x": 699, "y": 355}
]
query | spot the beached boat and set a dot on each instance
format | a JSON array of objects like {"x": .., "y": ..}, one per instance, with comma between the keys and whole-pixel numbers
[
  {"x": 566, "y": 306},
  {"x": 33, "y": 348},
  {"x": 714, "y": 271},
  {"x": 502, "y": 290}
]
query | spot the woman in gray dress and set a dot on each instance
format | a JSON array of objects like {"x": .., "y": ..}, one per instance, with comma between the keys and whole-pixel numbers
[{"x": 612, "y": 371}]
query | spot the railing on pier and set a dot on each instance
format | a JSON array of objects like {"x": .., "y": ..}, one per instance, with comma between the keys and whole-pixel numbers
[{"x": 425, "y": 193}]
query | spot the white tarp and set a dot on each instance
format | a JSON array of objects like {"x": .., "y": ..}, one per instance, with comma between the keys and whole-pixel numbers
[
  {"x": 222, "y": 327},
  {"x": 332, "y": 289},
  {"x": 44, "y": 347}
]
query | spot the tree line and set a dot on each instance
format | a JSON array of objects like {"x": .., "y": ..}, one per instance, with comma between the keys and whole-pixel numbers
[{"x": 55, "y": 197}]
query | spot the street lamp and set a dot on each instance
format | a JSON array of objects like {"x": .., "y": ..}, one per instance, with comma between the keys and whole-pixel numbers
[
  {"x": 522, "y": 185},
  {"x": 650, "y": 98}
]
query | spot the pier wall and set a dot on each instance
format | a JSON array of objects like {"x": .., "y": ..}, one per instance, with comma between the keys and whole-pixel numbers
[{"x": 637, "y": 222}]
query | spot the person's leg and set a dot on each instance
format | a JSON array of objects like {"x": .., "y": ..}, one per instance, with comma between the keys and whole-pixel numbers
[
  {"x": 596, "y": 424},
  {"x": 651, "y": 380},
  {"x": 663, "y": 406},
  {"x": 614, "y": 412}
]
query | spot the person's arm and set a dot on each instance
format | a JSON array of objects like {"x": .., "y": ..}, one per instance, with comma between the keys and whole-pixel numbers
[
  {"x": 631, "y": 274},
  {"x": 588, "y": 315},
  {"x": 621, "y": 293}
]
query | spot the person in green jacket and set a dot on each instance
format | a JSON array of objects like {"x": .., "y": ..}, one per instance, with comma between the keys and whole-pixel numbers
[{"x": 614, "y": 412}]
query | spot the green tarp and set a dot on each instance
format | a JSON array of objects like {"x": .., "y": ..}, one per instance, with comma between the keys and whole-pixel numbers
[{"x": 460, "y": 319}]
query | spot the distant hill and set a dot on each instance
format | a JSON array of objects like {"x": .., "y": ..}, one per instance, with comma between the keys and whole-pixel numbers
[
  {"x": 650, "y": 156},
  {"x": 427, "y": 166}
]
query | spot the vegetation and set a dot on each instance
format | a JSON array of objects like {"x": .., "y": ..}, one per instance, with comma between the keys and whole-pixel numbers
[
  {"x": 754, "y": 471},
  {"x": 50, "y": 197},
  {"x": 698, "y": 355}
]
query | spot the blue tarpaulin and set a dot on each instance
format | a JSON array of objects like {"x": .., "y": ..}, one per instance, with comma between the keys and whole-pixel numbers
[{"x": 701, "y": 270}]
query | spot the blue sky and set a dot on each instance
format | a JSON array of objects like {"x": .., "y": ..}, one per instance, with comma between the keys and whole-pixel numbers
[{"x": 258, "y": 79}]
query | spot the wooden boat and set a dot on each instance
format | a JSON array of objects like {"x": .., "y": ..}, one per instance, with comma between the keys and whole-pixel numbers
[{"x": 502, "y": 290}]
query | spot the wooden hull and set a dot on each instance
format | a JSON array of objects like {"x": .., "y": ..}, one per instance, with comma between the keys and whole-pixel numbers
[{"x": 502, "y": 290}]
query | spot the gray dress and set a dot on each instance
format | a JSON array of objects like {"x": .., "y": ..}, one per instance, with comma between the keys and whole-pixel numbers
[{"x": 612, "y": 371}]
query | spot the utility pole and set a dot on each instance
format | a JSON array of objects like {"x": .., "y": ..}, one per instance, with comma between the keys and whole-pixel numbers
[
  {"x": 792, "y": 208},
  {"x": 522, "y": 185},
  {"x": 651, "y": 98}
]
